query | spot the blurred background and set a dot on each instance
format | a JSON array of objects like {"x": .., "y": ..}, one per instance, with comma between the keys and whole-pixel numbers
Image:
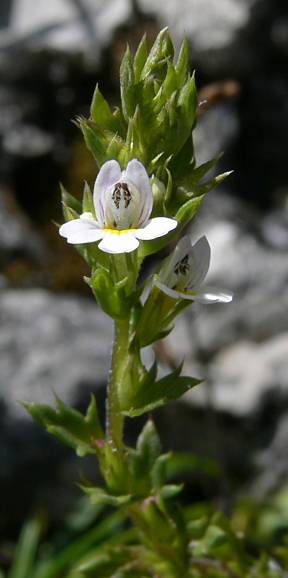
[{"x": 53, "y": 337}]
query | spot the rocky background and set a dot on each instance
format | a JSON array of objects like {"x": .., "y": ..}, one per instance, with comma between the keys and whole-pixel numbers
[{"x": 52, "y": 337}]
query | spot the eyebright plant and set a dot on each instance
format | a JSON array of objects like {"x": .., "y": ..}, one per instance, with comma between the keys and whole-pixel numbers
[{"x": 148, "y": 188}]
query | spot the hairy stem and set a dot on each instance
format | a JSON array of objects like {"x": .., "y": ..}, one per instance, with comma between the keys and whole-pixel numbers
[{"x": 115, "y": 420}]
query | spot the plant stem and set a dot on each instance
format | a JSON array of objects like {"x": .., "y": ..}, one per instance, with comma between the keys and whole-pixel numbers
[{"x": 115, "y": 420}]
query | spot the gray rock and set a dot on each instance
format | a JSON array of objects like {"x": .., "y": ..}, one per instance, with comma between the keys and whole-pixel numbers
[
  {"x": 72, "y": 26},
  {"x": 17, "y": 238},
  {"x": 50, "y": 344},
  {"x": 213, "y": 29}
]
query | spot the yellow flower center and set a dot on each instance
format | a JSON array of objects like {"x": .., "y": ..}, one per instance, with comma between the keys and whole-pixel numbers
[{"x": 119, "y": 231}]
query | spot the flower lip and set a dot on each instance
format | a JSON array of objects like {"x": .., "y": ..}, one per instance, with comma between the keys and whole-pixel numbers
[{"x": 123, "y": 203}]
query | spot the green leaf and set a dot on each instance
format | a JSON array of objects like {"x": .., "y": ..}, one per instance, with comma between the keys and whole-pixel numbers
[
  {"x": 99, "y": 496},
  {"x": 100, "y": 109},
  {"x": 110, "y": 295},
  {"x": 194, "y": 175},
  {"x": 70, "y": 201},
  {"x": 148, "y": 443},
  {"x": 127, "y": 87},
  {"x": 187, "y": 102},
  {"x": 87, "y": 202},
  {"x": 101, "y": 113},
  {"x": 170, "y": 491},
  {"x": 204, "y": 188},
  {"x": 182, "y": 65},
  {"x": 140, "y": 58},
  {"x": 188, "y": 210},
  {"x": 104, "y": 144},
  {"x": 23, "y": 562},
  {"x": 159, "y": 470},
  {"x": 69, "y": 425},
  {"x": 161, "y": 52},
  {"x": 152, "y": 394}
]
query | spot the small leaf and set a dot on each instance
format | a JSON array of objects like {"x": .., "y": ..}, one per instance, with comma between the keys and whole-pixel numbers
[
  {"x": 188, "y": 210},
  {"x": 99, "y": 496},
  {"x": 104, "y": 144},
  {"x": 148, "y": 443},
  {"x": 70, "y": 201},
  {"x": 100, "y": 109},
  {"x": 161, "y": 52},
  {"x": 140, "y": 58},
  {"x": 159, "y": 470},
  {"x": 182, "y": 65},
  {"x": 69, "y": 425},
  {"x": 170, "y": 491},
  {"x": 154, "y": 394},
  {"x": 109, "y": 295},
  {"x": 127, "y": 85},
  {"x": 87, "y": 202}
]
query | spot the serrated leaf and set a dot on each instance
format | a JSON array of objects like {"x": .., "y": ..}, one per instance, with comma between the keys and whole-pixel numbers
[
  {"x": 69, "y": 425},
  {"x": 155, "y": 394}
]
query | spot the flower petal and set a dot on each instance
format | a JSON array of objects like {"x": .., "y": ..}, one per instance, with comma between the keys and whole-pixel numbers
[
  {"x": 167, "y": 273},
  {"x": 137, "y": 174},
  {"x": 207, "y": 295},
  {"x": 213, "y": 295},
  {"x": 109, "y": 174},
  {"x": 201, "y": 254},
  {"x": 76, "y": 226},
  {"x": 156, "y": 228},
  {"x": 118, "y": 243},
  {"x": 85, "y": 236}
]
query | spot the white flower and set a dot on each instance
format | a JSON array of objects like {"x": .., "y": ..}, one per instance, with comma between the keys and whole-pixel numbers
[
  {"x": 182, "y": 275},
  {"x": 123, "y": 203}
]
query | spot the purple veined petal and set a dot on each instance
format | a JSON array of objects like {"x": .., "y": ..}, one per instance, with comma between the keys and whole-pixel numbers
[
  {"x": 75, "y": 226},
  {"x": 118, "y": 243},
  {"x": 156, "y": 227},
  {"x": 136, "y": 173},
  {"x": 109, "y": 174},
  {"x": 183, "y": 248},
  {"x": 201, "y": 254},
  {"x": 206, "y": 295},
  {"x": 85, "y": 236}
]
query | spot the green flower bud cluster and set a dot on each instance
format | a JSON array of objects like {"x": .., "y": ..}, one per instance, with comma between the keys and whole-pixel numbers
[{"x": 154, "y": 124}]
